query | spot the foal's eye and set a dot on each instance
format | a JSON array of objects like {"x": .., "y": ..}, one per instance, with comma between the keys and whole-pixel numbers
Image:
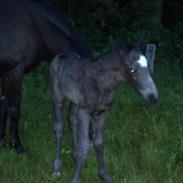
[{"x": 132, "y": 70}]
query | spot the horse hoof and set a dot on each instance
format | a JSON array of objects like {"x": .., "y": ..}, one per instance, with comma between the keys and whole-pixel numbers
[
  {"x": 18, "y": 148},
  {"x": 75, "y": 181},
  {"x": 1, "y": 136},
  {"x": 3, "y": 145},
  {"x": 21, "y": 150},
  {"x": 106, "y": 178},
  {"x": 56, "y": 174}
]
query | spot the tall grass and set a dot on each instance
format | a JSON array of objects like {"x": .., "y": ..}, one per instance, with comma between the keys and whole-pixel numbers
[{"x": 142, "y": 143}]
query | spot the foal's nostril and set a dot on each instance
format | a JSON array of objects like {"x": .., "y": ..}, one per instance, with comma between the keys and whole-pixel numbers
[{"x": 152, "y": 99}]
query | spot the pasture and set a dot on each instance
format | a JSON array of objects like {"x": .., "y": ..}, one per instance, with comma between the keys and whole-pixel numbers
[{"x": 142, "y": 143}]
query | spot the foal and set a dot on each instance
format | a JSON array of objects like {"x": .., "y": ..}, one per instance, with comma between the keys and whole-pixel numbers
[{"x": 89, "y": 88}]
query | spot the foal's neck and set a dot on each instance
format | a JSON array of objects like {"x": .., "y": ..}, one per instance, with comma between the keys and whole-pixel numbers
[{"x": 107, "y": 73}]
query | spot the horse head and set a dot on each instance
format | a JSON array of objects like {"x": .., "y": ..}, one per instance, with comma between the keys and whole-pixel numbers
[{"x": 137, "y": 70}]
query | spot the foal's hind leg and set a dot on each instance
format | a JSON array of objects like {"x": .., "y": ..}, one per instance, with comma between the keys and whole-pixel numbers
[
  {"x": 13, "y": 86},
  {"x": 58, "y": 103},
  {"x": 98, "y": 128}
]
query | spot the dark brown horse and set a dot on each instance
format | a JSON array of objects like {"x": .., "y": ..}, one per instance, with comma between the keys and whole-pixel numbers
[{"x": 30, "y": 31}]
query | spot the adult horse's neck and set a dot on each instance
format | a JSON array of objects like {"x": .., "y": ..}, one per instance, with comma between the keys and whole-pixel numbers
[
  {"x": 107, "y": 71},
  {"x": 57, "y": 33}
]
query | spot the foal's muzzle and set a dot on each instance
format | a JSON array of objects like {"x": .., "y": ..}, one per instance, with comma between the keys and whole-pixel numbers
[
  {"x": 150, "y": 93},
  {"x": 152, "y": 99}
]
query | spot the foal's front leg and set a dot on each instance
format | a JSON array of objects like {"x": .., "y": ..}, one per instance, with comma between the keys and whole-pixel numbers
[
  {"x": 82, "y": 143},
  {"x": 98, "y": 130},
  {"x": 73, "y": 119}
]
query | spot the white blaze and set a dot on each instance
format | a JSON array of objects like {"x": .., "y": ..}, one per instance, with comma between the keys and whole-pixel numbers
[{"x": 142, "y": 61}]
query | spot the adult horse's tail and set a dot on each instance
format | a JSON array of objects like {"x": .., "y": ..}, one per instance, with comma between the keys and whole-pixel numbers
[
  {"x": 81, "y": 46},
  {"x": 52, "y": 18}
]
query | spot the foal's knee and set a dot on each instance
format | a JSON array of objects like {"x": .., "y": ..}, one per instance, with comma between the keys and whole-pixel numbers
[
  {"x": 82, "y": 150},
  {"x": 58, "y": 128},
  {"x": 81, "y": 155},
  {"x": 73, "y": 121}
]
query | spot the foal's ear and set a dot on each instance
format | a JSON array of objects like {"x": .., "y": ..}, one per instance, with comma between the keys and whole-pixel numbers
[
  {"x": 140, "y": 41},
  {"x": 112, "y": 42},
  {"x": 150, "y": 56}
]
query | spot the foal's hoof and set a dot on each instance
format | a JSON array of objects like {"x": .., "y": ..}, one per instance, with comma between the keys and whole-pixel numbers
[
  {"x": 75, "y": 181},
  {"x": 56, "y": 174},
  {"x": 106, "y": 178},
  {"x": 57, "y": 166}
]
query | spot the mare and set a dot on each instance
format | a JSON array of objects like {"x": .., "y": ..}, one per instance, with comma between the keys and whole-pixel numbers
[{"x": 30, "y": 31}]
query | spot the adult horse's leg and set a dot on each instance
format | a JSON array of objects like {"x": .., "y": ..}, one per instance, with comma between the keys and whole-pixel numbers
[
  {"x": 83, "y": 142},
  {"x": 3, "y": 111},
  {"x": 12, "y": 91},
  {"x": 98, "y": 130}
]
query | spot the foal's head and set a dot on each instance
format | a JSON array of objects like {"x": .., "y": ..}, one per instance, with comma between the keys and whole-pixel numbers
[{"x": 136, "y": 70}]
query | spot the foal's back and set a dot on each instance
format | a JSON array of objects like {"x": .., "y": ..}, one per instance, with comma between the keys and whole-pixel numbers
[
  {"x": 67, "y": 75},
  {"x": 72, "y": 76}
]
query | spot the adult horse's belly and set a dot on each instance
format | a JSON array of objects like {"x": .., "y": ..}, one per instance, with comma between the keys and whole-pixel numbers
[
  {"x": 20, "y": 45},
  {"x": 9, "y": 53},
  {"x": 20, "y": 42}
]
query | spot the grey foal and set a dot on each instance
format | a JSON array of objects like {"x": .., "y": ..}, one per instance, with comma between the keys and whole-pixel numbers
[{"x": 89, "y": 87}]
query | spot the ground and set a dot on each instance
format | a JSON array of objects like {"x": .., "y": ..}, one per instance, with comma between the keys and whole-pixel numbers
[{"x": 142, "y": 143}]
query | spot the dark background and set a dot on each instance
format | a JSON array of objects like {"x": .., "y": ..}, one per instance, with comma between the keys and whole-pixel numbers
[
  {"x": 142, "y": 143},
  {"x": 125, "y": 20},
  {"x": 161, "y": 20}
]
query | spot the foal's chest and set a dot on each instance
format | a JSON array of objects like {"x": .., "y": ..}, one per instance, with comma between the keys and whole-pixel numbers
[{"x": 102, "y": 104}]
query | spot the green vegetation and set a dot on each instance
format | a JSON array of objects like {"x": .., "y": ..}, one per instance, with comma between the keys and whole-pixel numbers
[{"x": 142, "y": 143}]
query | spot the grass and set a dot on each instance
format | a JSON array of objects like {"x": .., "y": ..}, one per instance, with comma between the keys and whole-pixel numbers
[{"x": 142, "y": 144}]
